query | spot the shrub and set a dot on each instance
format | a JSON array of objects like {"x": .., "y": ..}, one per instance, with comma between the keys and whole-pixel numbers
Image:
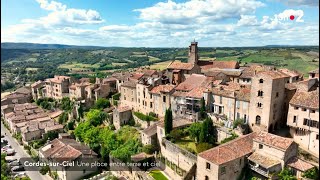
[
  {"x": 177, "y": 134},
  {"x": 232, "y": 137},
  {"x": 152, "y": 114},
  {"x": 149, "y": 149},
  {"x": 203, "y": 146},
  {"x": 44, "y": 170},
  {"x": 238, "y": 122},
  {"x": 311, "y": 173},
  {"x": 144, "y": 117}
]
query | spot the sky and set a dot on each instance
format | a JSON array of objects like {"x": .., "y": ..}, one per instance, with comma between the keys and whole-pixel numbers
[{"x": 167, "y": 23}]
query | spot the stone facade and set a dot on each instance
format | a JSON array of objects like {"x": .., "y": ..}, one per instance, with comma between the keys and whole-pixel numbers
[
  {"x": 121, "y": 116},
  {"x": 267, "y": 101}
]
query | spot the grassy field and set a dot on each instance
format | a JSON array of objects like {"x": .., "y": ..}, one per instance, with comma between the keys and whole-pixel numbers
[
  {"x": 157, "y": 175},
  {"x": 160, "y": 66},
  {"x": 187, "y": 143},
  {"x": 151, "y": 58},
  {"x": 78, "y": 66},
  {"x": 119, "y": 64}
]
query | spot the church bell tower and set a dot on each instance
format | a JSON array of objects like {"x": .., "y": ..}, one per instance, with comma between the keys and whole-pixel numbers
[{"x": 193, "y": 53}]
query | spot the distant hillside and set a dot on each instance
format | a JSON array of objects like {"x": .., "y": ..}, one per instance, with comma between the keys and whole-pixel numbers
[{"x": 9, "y": 45}]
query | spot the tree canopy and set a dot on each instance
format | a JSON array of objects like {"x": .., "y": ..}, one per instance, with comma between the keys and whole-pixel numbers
[{"x": 168, "y": 121}]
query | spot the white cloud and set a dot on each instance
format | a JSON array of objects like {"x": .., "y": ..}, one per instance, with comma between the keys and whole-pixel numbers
[
  {"x": 166, "y": 24},
  {"x": 247, "y": 20},
  {"x": 199, "y": 11},
  {"x": 300, "y": 2},
  {"x": 51, "y": 6}
]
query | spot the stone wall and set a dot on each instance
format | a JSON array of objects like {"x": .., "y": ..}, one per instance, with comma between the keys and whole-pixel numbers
[
  {"x": 181, "y": 157},
  {"x": 144, "y": 124}
]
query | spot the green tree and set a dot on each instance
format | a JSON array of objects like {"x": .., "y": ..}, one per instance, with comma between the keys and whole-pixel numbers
[
  {"x": 63, "y": 118},
  {"x": 80, "y": 111},
  {"x": 312, "y": 173},
  {"x": 286, "y": 174},
  {"x": 194, "y": 131},
  {"x": 208, "y": 132},
  {"x": 102, "y": 103},
  {"x": 149, "y": 149},
  {"x": 66, "y": 104},
  {"x": 202, "y": 109},
  {"x": 95, "y": 117},
  {"x": 168, "y": 121}
]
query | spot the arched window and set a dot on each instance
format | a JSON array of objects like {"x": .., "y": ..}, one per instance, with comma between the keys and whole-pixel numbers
[
  {"x": 206, "y": 178},
  {"x": 261, "y": 81},
  {"x": 260, "y": 93},
  {"x": 258, "y": 120}
]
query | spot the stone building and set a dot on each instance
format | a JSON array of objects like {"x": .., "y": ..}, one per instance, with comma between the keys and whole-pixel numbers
[
  {"x": 264, "y": 153},
  {"x": 161, "y": 98},
  {"x": 149, "y": 135},
  {"x": 128, "y": 94},
  {"x": 57, "y": 87},
  {"x": 121, "y": 116},
  {"x": 225, "y": 162},
  {"x": 271, "y": 154},
  {"x": 178, "y": 100},
  {"x": 177, "y": 72},
  {"x": 66, "y": 149},
  {"x": 145, "y": 101},
  {"x": 37, "y": 89},
  {"x": 303, "y": 116},
  {"x": 229, "y": 101},
  {"x": 294, "y": 76},
  {"x": 267, "y": 101}
]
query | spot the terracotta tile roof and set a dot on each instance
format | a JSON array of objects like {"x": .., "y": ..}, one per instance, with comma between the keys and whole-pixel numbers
[
  {"x": 130, "y": 84},
  {"x": 162, "y": 89},
  {"x": 123, "y": 76},
  {"x": 213, "y": 73},
  {"x": 62, "y": 149},
  {"x": 273, "y": 74},
  {"x": 262, "y": 160},
  {"x": 179, "y": 94},
  {"x": 180, "y": 65},
  {"x": 177, "y": 123},
  {"x": 273, "y": 140},
  {"x": 15, "y": 96},
  {"x": 204, "y": 65},
  {"x": 53, "y": 127},
  {"x": 306, "y": 99},
  {"x": 197, "y": 92},
  {"x": 289, "y": 72},
  {"x": 108, "y": 79},
  {"x": 225, "y": 64},
  {"x": 124, "y": 108},
  {"x": 151, "y": 130},
  {"x": 140, "y": 156},
  {"x": 55, "y": 114},
  {"x": 193, "y": 81},
  {"x": 229, "y": 151},
  {"x": 148, "y": 72},
  {"x": 23, "y": 90},
  {"x": 136, "y": 76},
  {"x": 36, "y": 84},
  {"x": 249, "y": 72},
  {"x": 233, "y": 90},
  {"x": 232, "y": 72},
  {"x": 299, "y": 164}
]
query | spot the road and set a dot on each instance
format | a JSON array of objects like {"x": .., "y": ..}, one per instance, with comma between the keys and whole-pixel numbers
[{"x": 34, "y": 175}]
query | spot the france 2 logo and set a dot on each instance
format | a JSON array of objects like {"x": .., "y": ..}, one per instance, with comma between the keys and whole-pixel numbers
[{"x": 290, "y": 14}]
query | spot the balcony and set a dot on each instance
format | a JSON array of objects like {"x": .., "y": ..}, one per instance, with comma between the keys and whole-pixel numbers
[{"x": 259, "y": 170}]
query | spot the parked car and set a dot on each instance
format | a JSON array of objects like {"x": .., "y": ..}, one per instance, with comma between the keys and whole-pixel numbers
[
  {"x": 4, "y": 141},
  {"x": 17, "y": 168},
  {"x": 15, "y": 163},
  {"x": 10, "y": 159},
  {"x": 6, "y": 147},
  {"x": 20, "y": 175},
  {"x": 10, "y": 152}
]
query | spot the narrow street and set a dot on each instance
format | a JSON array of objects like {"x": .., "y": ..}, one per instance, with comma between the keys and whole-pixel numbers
[{"x": 21, "y": 153}]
